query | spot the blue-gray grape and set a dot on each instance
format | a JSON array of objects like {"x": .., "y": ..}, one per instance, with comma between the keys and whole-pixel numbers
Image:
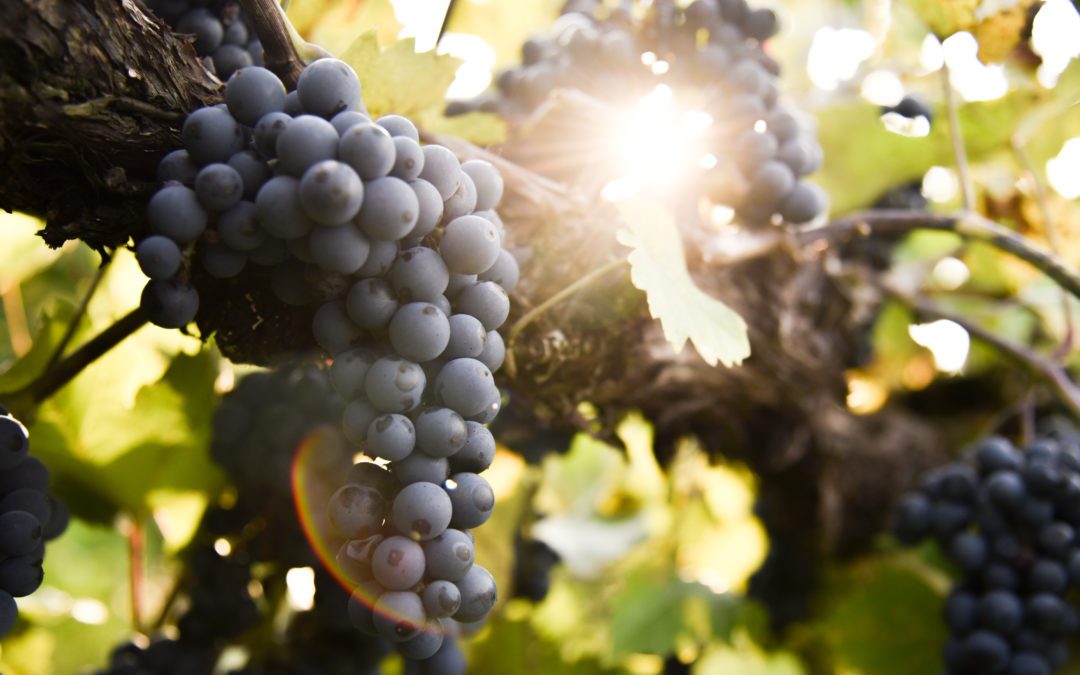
[
  {"x": 371, "y": 303},
  {"x": 398, "y": 125},
  {"x": 252, "y": 93},
  {"x": 239, "y": 227},
  {"x": 419, "y": 274},
  {"x": 399, "y": 615},
  {"x": 253, "y": 172},
  {"x": 368, "y": 149},
  {"x": 478, "y": 594},
  {"x": 441, "y": 169},
  {"x": 391, "y": 437},
  {"x": 398, "y": 562},
  {"x": 267, "y": 130},
  {"x": 341, "y": 249},
  {"x": 304, "y": 142},
  {"x": 169, "y": 303},
  {"x": 441, "y": 598},
  {"x": 159, "y": 257},
  {"x": 440, "y": 432},
  {"x": 421, "y": 511},
  {"x": 333, "y": 329},
  {"x": 394, "y": 385},
  {"x": 473, "y": 500},
  {"x": 219, "y": 187},
  {"x": 487, "y": 301},
  {"x": 450, "y": 555},
  {"x": 429, "y": 208},
  {"x": 175, "y": 212},
  {"x": 488, "y": 183},
  {"x": 279, "y": 209},
  {"x": 212, "y": 135},
  {"x": 466, "y": 386},
  {"x": 419, "y": 331},
  {"x": 478, "y": 452},
  {"x": 470, "y": 245},
  {"x": 390, "y": 209},
  {"x": 408, "y": 159},
  {"x": 327, "y": 87}
]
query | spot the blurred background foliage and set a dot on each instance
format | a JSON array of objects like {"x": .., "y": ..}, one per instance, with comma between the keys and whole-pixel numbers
[{"x": 654, "y": 559}]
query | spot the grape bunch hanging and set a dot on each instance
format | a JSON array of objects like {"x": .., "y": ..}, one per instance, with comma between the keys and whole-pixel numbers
[
  {"x": 707, "y": 84},
  {"x": 1008, "y": 520},
  {"x": 29, "y": 517},
  {"x": 398, "y": 250},
  {"x": 221, "y": 33}
]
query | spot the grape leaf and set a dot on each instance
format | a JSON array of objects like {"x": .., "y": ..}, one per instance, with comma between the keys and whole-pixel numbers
[
  {"x": 658, "y": 267},
  {"x": 648, "y": 616},
  {"x": 399, "y": 80}
]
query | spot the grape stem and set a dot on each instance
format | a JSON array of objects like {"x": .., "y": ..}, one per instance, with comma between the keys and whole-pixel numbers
[
  {"x": 963, "y": 171},
  {"x": 65, "y": 370},
  {"x": 1048, "y": 369},
  {"x": 971, "y": 226},
  {"x": 136, "y": 553},
  {"x": 564, "y": 294},
  {"x": 271, "y": 25},
  {"x": 1053, "y": 235},
  {"x": 445, "y": 21},
  {"x": 80, "y": 312}
]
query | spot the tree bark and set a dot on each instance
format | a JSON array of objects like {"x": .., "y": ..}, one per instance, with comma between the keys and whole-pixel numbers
[{"x": 92, "y": 93}]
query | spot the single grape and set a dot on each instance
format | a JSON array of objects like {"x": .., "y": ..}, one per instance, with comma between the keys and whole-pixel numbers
[
  {"x": 429, "y": 208},
  {"x": 380, "y": 259},
  {"x": 252, "y": 93},
  {"x": 470, "y": 245},
  {"x": 219, "y": 187},
  {"x": 390, "y": 209},
  {"x": 467, "y": 337},
  {"x": 279, "y": 208},
  {"x": 212, "y": 135},
  {"x": 331, "y": 192},
  {"x": 399, "y": 615},
  {"x": 488, "y": 183},
  {"x": 368, "y": 149},
  {"x": 20, "y": 576},
  {"x": 419, "y": 274},
  {"x": 478, "y": 452},
  {"x": 441, "y": 169},
  {"x": 803, "y": 203},
  {"x": 356, "y": 511},
  {"x": 450, "y": 555},
  {"x": 206, "y": 28},
  {"x": 419, "y": 331},
  {"x": 14, "y": 443},
  {"x": 472, "y": 497},
  {"x": 179, "y": 166},
  {"x": 408, "y": 159},
  {"x": 421, "y": 467},
  {"x": 347, "y": 118},
  {"x": 462, "y": 202},
  {"x": 304, "y": 142},
  {"x": 9, "y": 612},
  {"x": 174, "y": 211},
  {"x": 228, "y": 59},
  {"x": 20, "y": 533},
  {"x": 29, "y": 473},
  {"x": 239, "y": 228},
  {"x": 421, "y": 511},
  {"x": 339, "y": 249},
  {"x": 267, "y": 131},
  {"x": 169, "y": 303},
  {"x": 440, "y": 432},
  {"x": 391, "y": 437},
  {"x": 327, "y": 87},
  {"x": 348, "y": 371},
  {"x": 159, "y": 257},
  {"x": 478, "y": 594},
  {"x": 425, "y": 643},
  {"x": 397, "y": 125},
  {"x": 441, "y": 598},
  {"x": 334, "y": 330},
  {"x": 371, "y": 303},
  {"x": 398, "y": 562},
  {"x": 253, "y": 172},
  {"x": 487, "y": 301},
  {"x": 221, "y": 261},
  {"x": 394, "y": 385},
  {"x": 466, "y": 386}
]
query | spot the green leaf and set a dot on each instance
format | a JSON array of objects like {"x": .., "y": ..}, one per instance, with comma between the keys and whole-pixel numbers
[
  {"x": 658, "y": 267},
  {"x": 399, "y": 80},
  {"x": 745, "y": 659},
  {"x": 512, "y": 646},
  {"x": 141, "y": 457},
  {"x": 882, "y": 618},
  {"x": 648, "y": 614}
]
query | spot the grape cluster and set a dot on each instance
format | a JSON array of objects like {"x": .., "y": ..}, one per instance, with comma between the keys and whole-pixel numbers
[
  {"x": 1008, "y": 520},
  {"x": 222, "y": 34},
  {"x": 710, "y": 53},
  {"x": 29, "y": 517}
]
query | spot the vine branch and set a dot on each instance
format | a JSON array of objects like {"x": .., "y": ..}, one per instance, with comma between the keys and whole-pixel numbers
[
  {"x": 969, "y": 225},
  {"x": 80, "y": 312},
  {"x": 65, "y": 370},
  {"x": 279, "y": 52},
  {"x": 1048, "y": 369}
]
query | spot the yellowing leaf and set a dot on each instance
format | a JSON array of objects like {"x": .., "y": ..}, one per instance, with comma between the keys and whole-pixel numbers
[
  {"x": 1000, "y": 32},
  {"x": 335, "y": 24},
  {"x": 399, "y": 80},
  {"x": 658, "y": 267},
  {"x": 946, "y": 17}
]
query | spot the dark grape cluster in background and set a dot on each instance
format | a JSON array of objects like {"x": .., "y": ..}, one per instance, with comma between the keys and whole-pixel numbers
[
  {"x": 29, "y": 517},
  {"x": 221, "y": 33},
  {"x": 712, "y": 53},
  {"x": 1008, "y": 519}
]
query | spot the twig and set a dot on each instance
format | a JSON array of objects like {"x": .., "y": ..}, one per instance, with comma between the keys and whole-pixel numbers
[
  {"x": 271, "y": 26},
  {"x": 63, "y": 372},
  {"x": 167, "y": 604},
  {"x": 95, "y": 106},
  {"x": 1048, "y": 369},
  {"x": 565, "y": 293},
  {"x": 15, "y": 315},
  {"x": 963, "y": 171},
  {"x": 445, "y": 21},
  {"x": 80, "y": 312},
  {"x": 1053, "y": 236},
  {"x": 135, "y": 571},
  {"x": 970, "y": 226}
]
